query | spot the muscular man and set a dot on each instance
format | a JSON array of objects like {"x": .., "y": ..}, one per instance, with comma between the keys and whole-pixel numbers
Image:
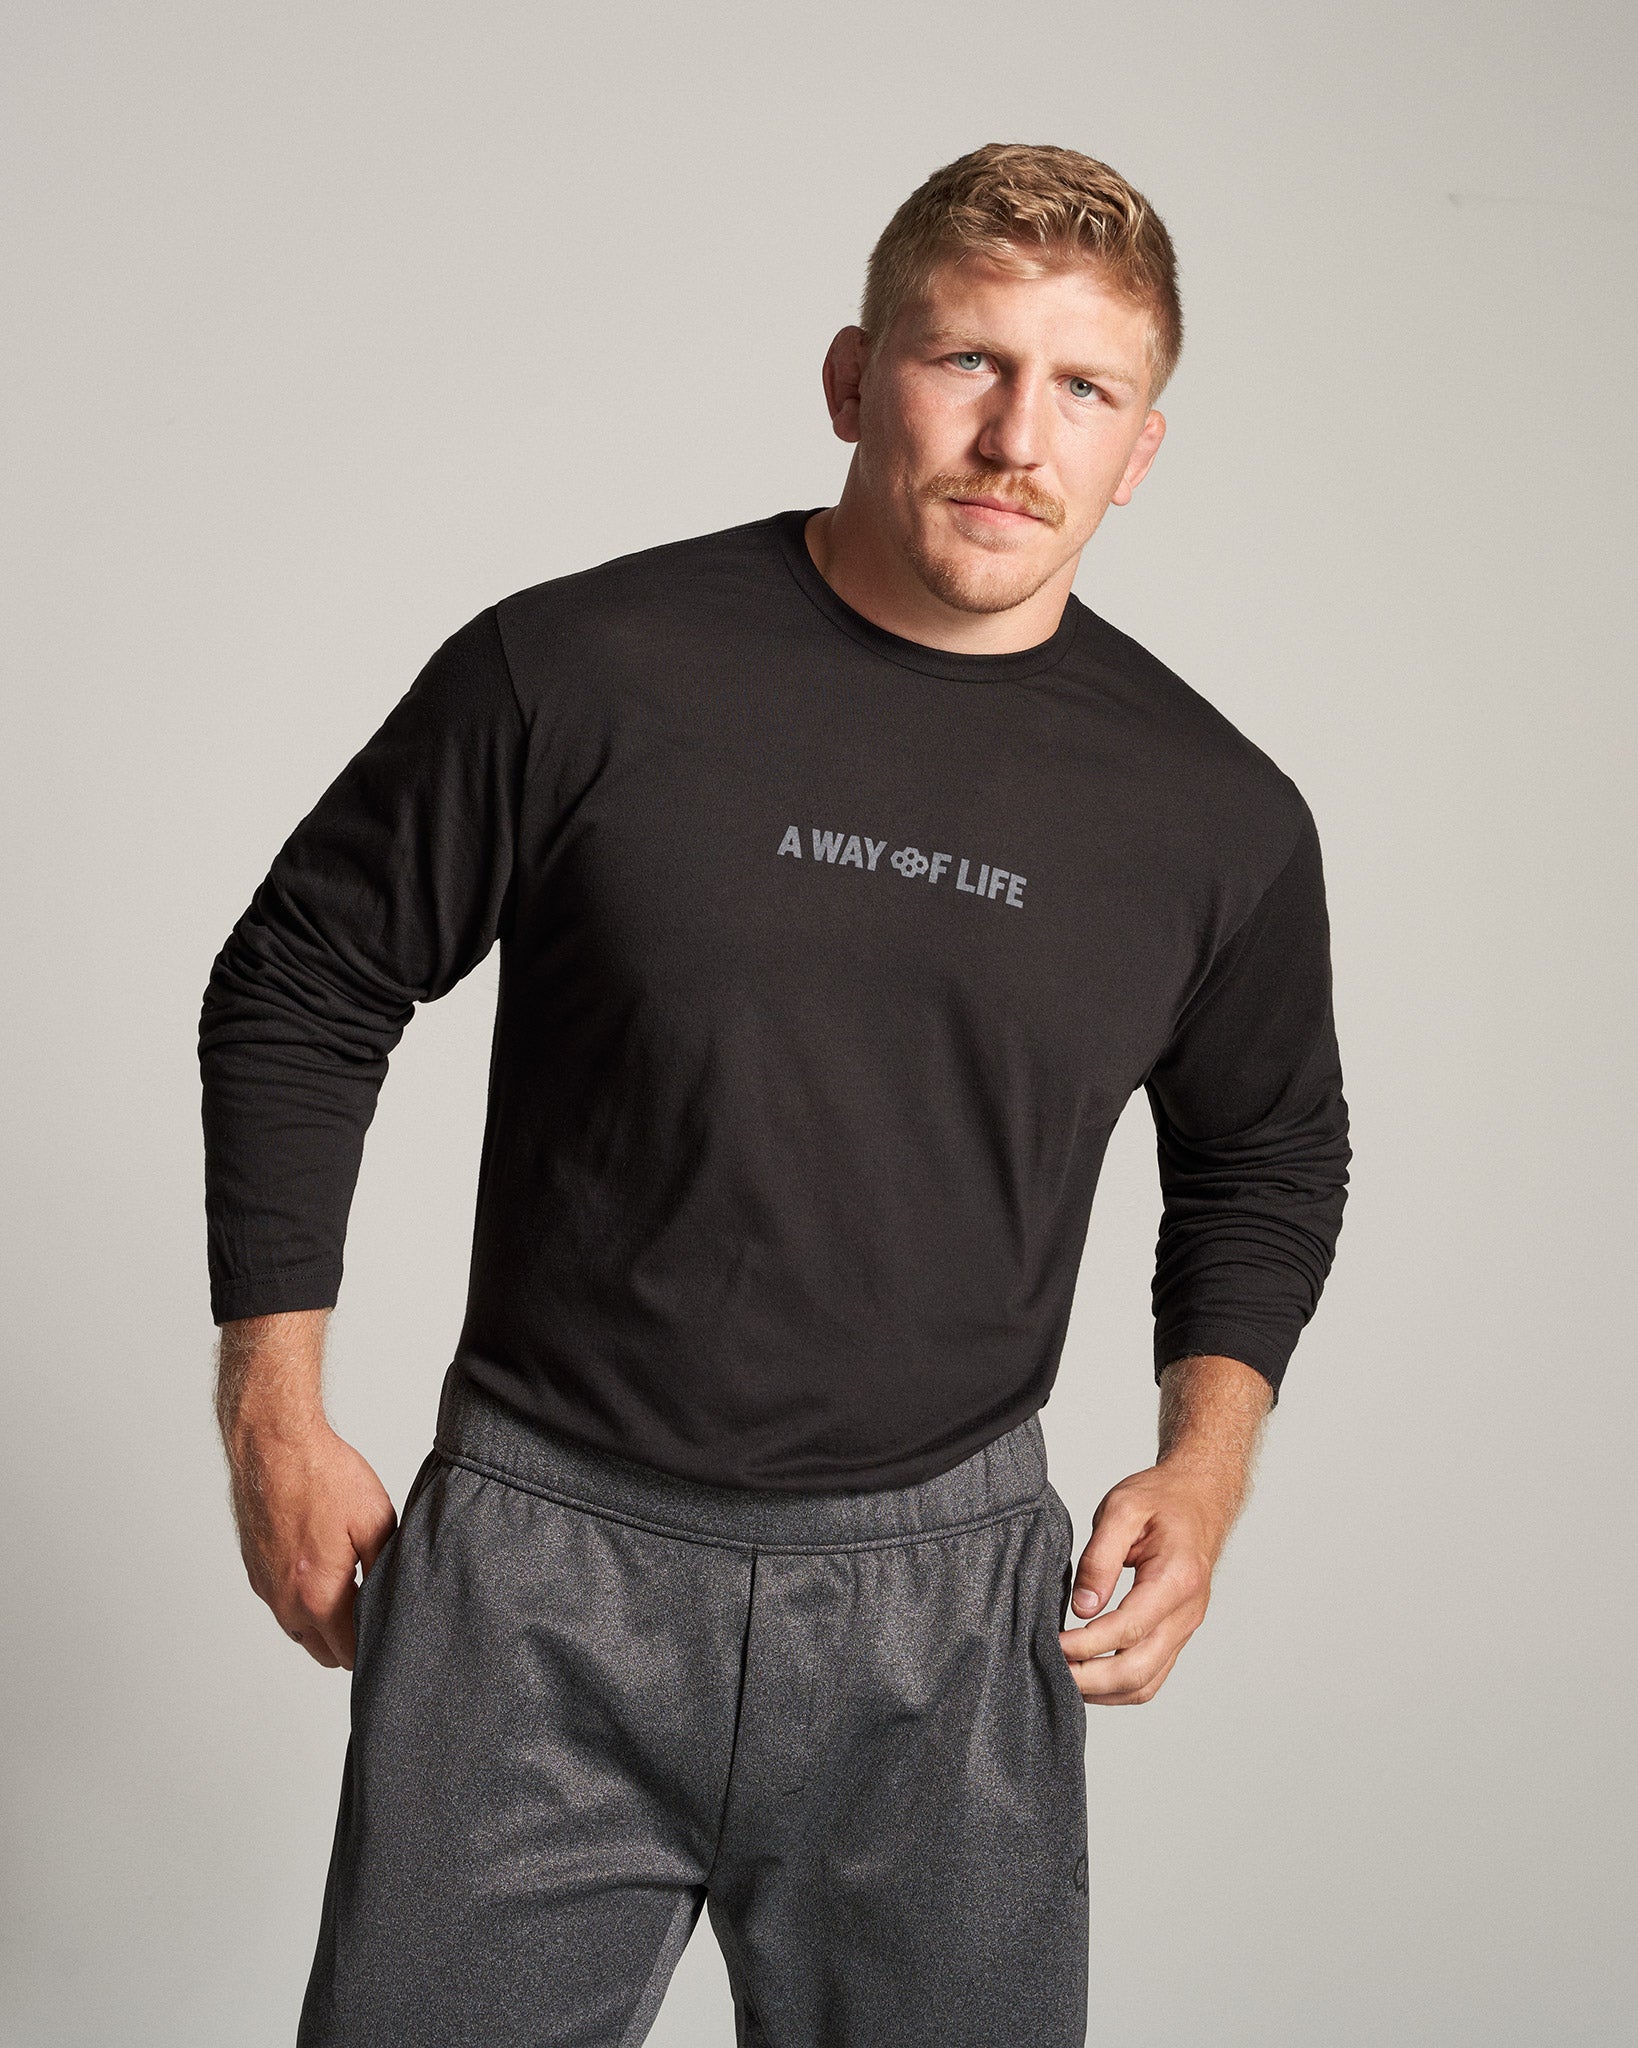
[{"x": 849, "y": 876}]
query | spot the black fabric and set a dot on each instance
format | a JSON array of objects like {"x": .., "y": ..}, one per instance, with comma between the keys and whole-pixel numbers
[{"x": 828, "y": 962}]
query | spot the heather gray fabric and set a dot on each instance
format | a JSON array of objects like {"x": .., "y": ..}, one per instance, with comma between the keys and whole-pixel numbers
[{"x": 590, "y": 1698}]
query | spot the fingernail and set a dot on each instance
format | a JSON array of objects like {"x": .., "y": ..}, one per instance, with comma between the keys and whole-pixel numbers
[{"x": 1084, "y": 1602}]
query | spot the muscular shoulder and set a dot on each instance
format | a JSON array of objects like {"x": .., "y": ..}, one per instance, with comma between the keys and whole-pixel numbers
[
  {"x": 639, "y": 606},
  {"x": 1206, "y": 776}
]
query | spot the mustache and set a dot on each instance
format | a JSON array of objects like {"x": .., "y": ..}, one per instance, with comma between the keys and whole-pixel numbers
[{"x": 995, "y": 483}]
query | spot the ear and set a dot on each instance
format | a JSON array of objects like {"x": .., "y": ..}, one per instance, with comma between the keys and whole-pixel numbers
[
  {"x": 1144, "y": 450},
  {"x": 843, "y": 374}
]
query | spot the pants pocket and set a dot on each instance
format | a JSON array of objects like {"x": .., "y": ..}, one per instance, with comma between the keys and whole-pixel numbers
[
  {"x": 374, "y": 1583},
  {"x": 1063, "y": 1539}
]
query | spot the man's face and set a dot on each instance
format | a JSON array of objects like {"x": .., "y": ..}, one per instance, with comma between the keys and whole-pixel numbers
[{"x": 997, "y": 420}]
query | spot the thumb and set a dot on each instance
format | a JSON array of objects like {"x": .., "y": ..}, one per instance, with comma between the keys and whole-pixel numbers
[
  {"x": 1103, "y": 1560},
  {"x": 369, "y": 1528}
]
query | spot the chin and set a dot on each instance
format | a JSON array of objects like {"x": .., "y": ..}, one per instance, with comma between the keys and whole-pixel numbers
[{"x": 972, "y": 580}]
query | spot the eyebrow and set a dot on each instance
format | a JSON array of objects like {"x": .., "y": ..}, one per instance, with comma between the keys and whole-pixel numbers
[{"x": 956, "y": 338}]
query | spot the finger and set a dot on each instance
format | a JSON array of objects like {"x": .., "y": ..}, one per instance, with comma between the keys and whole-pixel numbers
[
  {"x": 1114, "y": 1531},
  {"x": 303, "y": 1624},
  {"x": 1147, "y": 1604},
  {"x": 1126, "y": 1671},
  {"x": 370, "y": 1533},
  {"x": 1137, "y": 1695},
  {"x": 335, "y": 1624},
  {"x": 319, "y": 1607},
  {"x": 313, "y": 1642}
]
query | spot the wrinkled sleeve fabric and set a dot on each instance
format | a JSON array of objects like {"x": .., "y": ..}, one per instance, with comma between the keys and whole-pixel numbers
[
  {"x": 393, "y": 887},
  {"x": 1252, "y": 1131}
]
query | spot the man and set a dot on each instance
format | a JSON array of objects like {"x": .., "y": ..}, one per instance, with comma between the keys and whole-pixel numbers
[{"x": 849, "y": 876}]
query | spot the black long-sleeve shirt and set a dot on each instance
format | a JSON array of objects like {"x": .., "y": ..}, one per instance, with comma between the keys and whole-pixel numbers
[{"x": 828, "y": 962}]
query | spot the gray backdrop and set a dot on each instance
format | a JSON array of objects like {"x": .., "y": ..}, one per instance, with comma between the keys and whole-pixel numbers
[{"x": 329, "y": 324}]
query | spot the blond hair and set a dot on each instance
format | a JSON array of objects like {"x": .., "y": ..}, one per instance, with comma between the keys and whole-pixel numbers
[{"x": 1012, "y": 200}]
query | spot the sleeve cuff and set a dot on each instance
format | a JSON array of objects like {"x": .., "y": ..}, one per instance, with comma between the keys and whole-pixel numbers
[
  {"x": 314, "y": 1284},
  {"x": 1217, "y": 1340}
]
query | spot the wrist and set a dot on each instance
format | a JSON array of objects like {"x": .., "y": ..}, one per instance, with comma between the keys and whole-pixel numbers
[
  {"x": 1216, "y": 1482},
  {"x": 272, "y": 1422},
  {"x": 268, "y": 1383}
]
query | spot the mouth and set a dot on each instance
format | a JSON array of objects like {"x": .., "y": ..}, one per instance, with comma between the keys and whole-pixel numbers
[
  {"x": 990, "y": 502},
  {"x": 999, "y": 510}
]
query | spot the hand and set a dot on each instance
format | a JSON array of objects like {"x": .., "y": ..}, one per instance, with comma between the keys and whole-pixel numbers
[
  {"x": 1168, "y": 1524},
  {"x": 309, "y": 1510}
]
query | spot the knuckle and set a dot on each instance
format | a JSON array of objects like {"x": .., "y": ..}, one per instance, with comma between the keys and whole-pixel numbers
[
  {"x": 296, "y": 1607},
  {"x": 311, "y": 1586}
]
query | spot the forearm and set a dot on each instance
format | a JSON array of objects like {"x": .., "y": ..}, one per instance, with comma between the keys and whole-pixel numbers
[
  {"x": 308, "y": 1508},
  {"x": 1212, "y": 1414},
  {"x": 270, "y": 1410},
  {"x": 269, "y": 1376}
]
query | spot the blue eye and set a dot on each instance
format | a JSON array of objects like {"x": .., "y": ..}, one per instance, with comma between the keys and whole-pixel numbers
[
  {"x": 1082, "y": 387},
  {"x": 969, "y": 359}
]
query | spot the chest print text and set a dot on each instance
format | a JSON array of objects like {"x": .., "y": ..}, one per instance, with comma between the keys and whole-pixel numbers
[{"x": 855, "y": 850}]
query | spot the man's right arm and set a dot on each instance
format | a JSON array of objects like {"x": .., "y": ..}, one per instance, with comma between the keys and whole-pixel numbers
[
  {"x": 308, "y": 1509},
  {"x": 394, "y": 886}
]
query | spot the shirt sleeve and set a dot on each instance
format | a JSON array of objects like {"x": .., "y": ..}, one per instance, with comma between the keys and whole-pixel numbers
[
  {"x": 1252, "y": 1131},
  {"x": 394, "y": 886}
]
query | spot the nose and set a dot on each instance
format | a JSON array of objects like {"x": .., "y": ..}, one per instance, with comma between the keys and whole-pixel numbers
[{"x": 1013, "y": 432}]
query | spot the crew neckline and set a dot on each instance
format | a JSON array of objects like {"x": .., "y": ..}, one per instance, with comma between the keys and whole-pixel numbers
[{"x": 790, "y": 531}]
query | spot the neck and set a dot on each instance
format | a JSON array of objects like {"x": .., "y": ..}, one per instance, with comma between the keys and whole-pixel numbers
[{"x": 864, "y": 565}]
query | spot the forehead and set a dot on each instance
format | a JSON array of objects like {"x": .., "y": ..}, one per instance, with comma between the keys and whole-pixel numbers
[{"x": 1032, "y": 304}]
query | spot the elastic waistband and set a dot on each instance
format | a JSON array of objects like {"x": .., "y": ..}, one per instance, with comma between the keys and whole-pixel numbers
[{"x": 479, "y": 1432}]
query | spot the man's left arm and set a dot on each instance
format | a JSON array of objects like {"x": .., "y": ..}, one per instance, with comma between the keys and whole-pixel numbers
[
  {"x": 1169, "y": 1524},
  {"x": 1252, "y": 1133}
]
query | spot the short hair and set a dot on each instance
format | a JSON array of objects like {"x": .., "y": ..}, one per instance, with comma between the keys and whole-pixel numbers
[{"x": 1012, "y": 199}]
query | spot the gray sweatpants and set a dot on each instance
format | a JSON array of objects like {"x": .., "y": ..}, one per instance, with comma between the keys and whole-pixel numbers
[{"x": 591, "y": 1698}]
